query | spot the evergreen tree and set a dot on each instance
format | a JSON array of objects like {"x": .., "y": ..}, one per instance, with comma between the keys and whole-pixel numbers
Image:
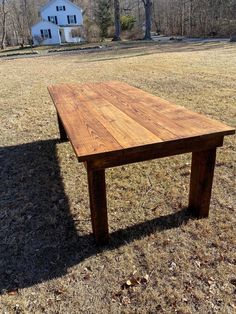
[{"x": 103, "y": 17}]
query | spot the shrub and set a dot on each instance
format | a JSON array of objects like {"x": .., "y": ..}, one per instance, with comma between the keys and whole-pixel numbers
[
  {"x": 127, "y": 22},
  {"x": 92, "y": 31}
]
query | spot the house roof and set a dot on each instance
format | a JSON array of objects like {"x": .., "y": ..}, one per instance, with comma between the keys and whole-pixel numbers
[
  {"x": 71, "y": 26},
  {"x": 52, "y": 1},
  {"x": 47, "y": 22}
]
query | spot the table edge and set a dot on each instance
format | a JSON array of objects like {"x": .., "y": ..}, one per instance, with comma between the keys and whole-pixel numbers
[
  {"x": 145, "y": 147},
  {"x": 171, "y": 145}
]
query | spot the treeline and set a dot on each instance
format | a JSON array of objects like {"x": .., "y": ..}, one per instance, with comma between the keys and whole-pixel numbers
[
  {"x": 132, "y": 19},
  {"x": 195, "y": 17}
]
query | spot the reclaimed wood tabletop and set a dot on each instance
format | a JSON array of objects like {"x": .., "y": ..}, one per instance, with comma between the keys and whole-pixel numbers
[
  {"x": 103, "y": 118},
  {"x": 112, "y": 123}
]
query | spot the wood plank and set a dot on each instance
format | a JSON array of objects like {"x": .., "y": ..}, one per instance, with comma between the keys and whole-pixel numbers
[
  {"x": 113, "y": 119},
  {"x": 202, "y": 172},
  {"x": 87, "y": 135},
  {"x": 137, "y": 94},
  {"x": 157, "y": 111},
  {"x": 134, "y": 110},
  {"x": 62, "y": 99},
  {"x": 197, "y": 122},
  {"x": 124, "y": 129},
  {"x": 175, "y": 114},
  {"x": 153, "y": 151}
]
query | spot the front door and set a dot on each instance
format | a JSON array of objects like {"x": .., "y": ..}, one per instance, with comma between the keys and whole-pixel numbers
[{"x": 62, "y": 35}]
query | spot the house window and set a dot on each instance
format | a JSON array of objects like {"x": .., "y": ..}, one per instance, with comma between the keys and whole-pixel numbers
[
  {"x": 52, "y": 19},
  {"x": 46, "y": 33},
  {"x": 71, "y": 19},
  {"x": 61, "y": 8}
]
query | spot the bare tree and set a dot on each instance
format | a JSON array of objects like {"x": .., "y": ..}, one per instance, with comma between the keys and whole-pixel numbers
[
  {"x": 4, "y": 23},
  {"x": 117, "y": 20},
  {"x": 170, "y": 17},
  {"x": 148, "y": 18}
]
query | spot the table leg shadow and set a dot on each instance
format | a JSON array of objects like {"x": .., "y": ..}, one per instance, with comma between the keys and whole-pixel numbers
[{"x": 38, "y": 237}]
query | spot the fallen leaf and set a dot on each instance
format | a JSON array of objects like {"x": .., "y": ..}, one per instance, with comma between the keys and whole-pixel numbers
[
  {"x": 118, "y": 294},
  {"x": 145, "y": 279},
  {"x": 128, "y": 283},
  {"x": 125, "y": 301},
  {"x": 232, "y": 305},
  {"x": 172, "y": 266},
  {"x": 166, "y": 242},
  {"x": 12, "y": 292},
  {"x": 59, "y": 291},
  {"x": 198, "y": 263},
  {"x": 89, "y": 268},
  {"x": 132, "y": 282},
  {"x": 233, "y": 281},
  {"x": 134, "y": 272},
  {"x": 87, "y": 276}
]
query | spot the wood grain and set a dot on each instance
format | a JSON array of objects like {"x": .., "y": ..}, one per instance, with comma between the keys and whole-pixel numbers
[
  {"x": 127, "y": 131},
  {"x": 175, "y": 117},
  {"x": 202, "y": 172},
  {"x": 63, "y": 135},
  {"x": 112, "y": 124},
  {"x": 86, "y": 134},
  {"x": 147, "y": 152},
  {"x": 98, "y": 204},
  {"x": 110, "y": 119}
]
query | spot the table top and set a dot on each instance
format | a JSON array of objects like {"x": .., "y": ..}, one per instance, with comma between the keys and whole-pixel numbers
[{"x": 103, "y": 118}]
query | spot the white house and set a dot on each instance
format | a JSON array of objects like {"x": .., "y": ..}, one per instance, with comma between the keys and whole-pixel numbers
[{"x": 61, "y": 22}]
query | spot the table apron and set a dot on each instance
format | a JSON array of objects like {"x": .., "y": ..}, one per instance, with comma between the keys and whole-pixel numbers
[{"x": 148, "y": 153}]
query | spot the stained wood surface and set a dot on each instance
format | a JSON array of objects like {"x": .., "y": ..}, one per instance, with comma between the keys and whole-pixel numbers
[
  {"x": 63, "y": 135},
  {"x": 98, "y": 205},
  {"x": 202, "y": 172},
  {"x": 108, "y": 119}
]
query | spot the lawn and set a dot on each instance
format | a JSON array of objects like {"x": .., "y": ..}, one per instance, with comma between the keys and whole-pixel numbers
[{"x": 159, "y": 260}]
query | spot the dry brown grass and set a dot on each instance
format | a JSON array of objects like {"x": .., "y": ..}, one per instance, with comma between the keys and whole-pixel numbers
[{"x": 48, "y": 261}]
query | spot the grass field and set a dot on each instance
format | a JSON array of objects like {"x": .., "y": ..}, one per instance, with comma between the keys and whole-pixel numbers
[{"x": 159, "y": 260}]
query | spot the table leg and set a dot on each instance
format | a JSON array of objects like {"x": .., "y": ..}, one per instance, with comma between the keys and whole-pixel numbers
[
  {"x": 98, "y": 204},
  {"x": 202, "y": 172},
  {"x": 63, "y": 136}
]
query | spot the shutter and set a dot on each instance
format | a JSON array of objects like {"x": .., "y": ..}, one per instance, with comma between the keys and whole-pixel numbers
[
  {"x": 41, "y": 31},
  {"x": 49, "y": 18},
  {"x": 68, "y": 19},
  {"x": 57, "y": 8},
  {"x": 56, "y": 19},
  {"x": 50, "y": 34},
  {"x": 64, "y": 8},
  {"x": 75, "y": 19}
]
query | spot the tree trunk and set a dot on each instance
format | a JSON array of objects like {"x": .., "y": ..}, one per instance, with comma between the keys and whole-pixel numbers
[
  {"x": 190, "y": 19},
  {"x": 148, "y": 19},
  {"x": 183, "y": 19},
  {"x": 155, "y": 19},
  {"x": 117, "y": 21},
  {"x": 4, "y": 20}
]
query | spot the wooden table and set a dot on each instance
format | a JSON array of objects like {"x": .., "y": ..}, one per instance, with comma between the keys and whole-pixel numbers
[{"x": 112, "y": 124}]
